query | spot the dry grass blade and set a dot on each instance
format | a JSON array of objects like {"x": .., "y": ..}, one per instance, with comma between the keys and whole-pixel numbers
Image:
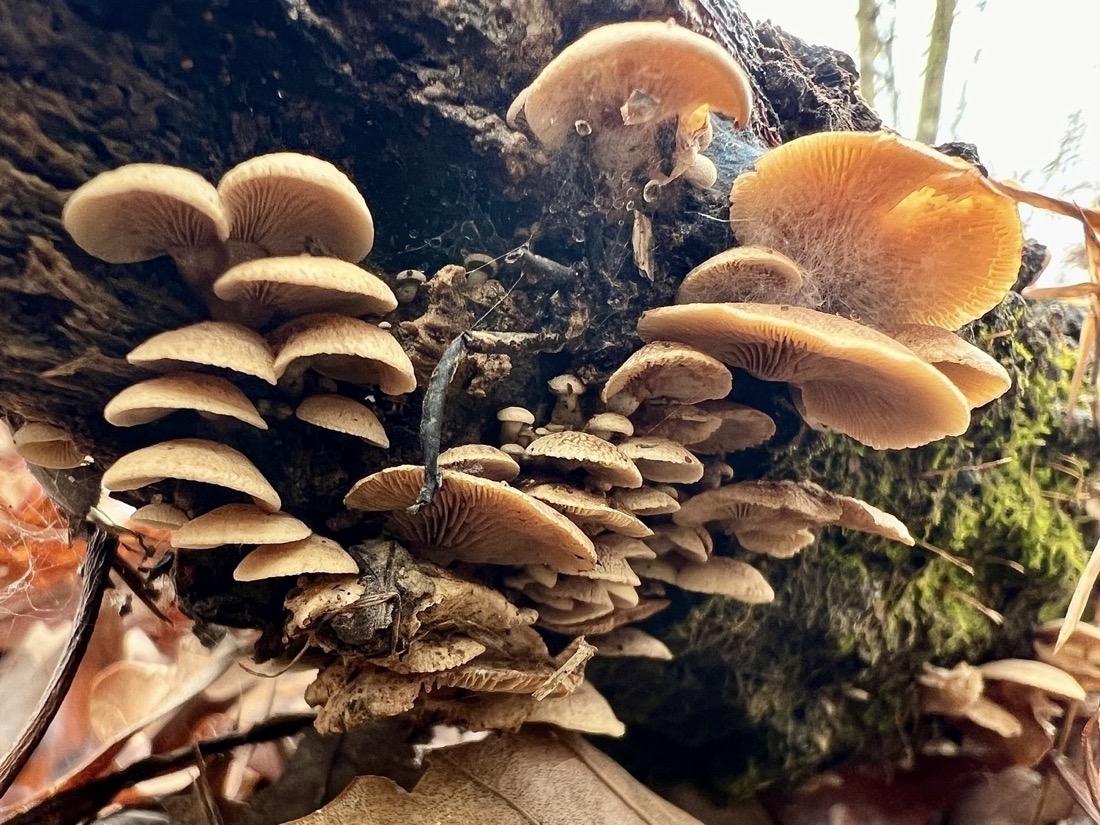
[
  {"x": 1080, "y": 598},
  {"x": 1088, "y": 746},
  {"x": 1076, "y": 786}
]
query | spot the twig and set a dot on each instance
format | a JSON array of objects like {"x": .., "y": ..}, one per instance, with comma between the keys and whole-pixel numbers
[
  {"x": 94, "y": 569},
  {"x": 137, "y": 585},
  {"x": 73, "y": 805}
]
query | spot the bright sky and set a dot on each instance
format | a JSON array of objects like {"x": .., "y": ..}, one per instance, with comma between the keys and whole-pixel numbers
[{"x": 1024, "y": 67}]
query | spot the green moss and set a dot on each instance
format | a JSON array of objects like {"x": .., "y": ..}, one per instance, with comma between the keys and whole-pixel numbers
[{"x": 769, "y": 694}]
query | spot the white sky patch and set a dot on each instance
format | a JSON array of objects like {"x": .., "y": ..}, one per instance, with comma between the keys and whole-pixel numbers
[{"x": 1020, "y": 70}]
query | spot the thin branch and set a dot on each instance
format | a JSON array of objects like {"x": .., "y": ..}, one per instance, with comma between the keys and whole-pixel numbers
[
  {"x": 939, "y": 44},
  {"x": 870, "y": 48}
]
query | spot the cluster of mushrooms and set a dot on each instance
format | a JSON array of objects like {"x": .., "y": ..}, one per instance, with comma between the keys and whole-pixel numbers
[{"x": 860, "y": 254}]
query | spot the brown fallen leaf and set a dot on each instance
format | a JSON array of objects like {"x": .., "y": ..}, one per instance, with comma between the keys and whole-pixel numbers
[{"x": 530, "y": 778}]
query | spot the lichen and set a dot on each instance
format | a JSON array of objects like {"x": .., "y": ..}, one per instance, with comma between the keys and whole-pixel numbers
[{"x": 766, "y": 695}]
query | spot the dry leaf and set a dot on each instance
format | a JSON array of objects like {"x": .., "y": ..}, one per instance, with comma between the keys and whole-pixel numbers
[
  {"x": 1080, "y": 598},
  {"x": 529, "y": 778}
]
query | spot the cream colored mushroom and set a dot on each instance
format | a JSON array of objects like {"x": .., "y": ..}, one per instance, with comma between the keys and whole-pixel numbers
[
  {"x": 208, "y": 343},
  {"x": 155, "y": 398},
  {"x": 314, "y": 554},
  {"x": 238, "y": 524},
  {"x": 480, "y": 460},
  {"x": 666, "y": 370},
  {"x": 45, "y": 445},
  {"x": 343, "y": 415},
  {"x": 571, "y": 450}
]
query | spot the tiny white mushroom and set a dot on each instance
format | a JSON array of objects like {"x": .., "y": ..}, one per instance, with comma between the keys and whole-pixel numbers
[
  {"x": 408, "y": 284},
  {"x": 512, "y": 421},
  {"x": 568, "y": 388}
]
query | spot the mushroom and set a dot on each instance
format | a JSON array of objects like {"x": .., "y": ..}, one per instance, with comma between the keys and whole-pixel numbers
[
  {"x": 346, "y": 349},
  {"x": 474, "y": 520},
  {"x": 590, "y": 511},
  {"x": 301, "y": 284},
  {"x": 409, "y": 282},
  {"x": 726, "y": 577},
  {"x": 603, "y": 461},
  {"x": 645, "y": 501},
  {"x": 191, "y": 459},
  {"x": 157, "y": 397},
  {"x": 745, "y": 273},
  {"x": 144, "y": 210},
  {"x": 659, "y": 459},
  {"x": 584, "y": 710},
  {"x": 568, "y": 388},
  {"x": 621, "y": 83},
  {"x": 692, "y": 543},
  {"x": 511, "y": 421},
  {"x": 480, "y": 460},
  {"x": 666, "y": 370},
  {"x": 238, "y": 524},
  {"x": 343, "y": 415},
  {"x": 630, "y": 641},
  {"x": 45, "y": 445},
  {"x": 977, "y": 375},
  {"x": 884, "y": 229},
  {"x": 682, "y": 423},
  {"x": 208, "y": 343},
  {"x": 741, "y": 428},
  {"x": 609, "y": 426},
  {"x": 313, "y": 554},
  {"x": 159, "y": 516},
  {"x": 849, "y": 378},
  {"x": 281, "y": 203}
]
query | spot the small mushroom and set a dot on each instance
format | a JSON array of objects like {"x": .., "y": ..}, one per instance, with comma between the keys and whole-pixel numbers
[
  {"x": 238, "y": 524},
  {"x": 609, "y": 426},
  {"x": 159, "y": 516},
  {"x": 480, "y": 460},
  {"x": 208, "y": 343},
  {"x": 314, "y": 554},
  {"x": 568, "y": 389},
  {"x": 666, "y": 370},
  {"x": 343, "y": 415},
  {"x": 155, "y": 398},
  {"x": 659, "y": 459},
  {"x": 409, "y": 282},
  {"x": 45, "y": 445},
  {"x": 511, "y": 421},
  {"x": 603, "y": 461}
]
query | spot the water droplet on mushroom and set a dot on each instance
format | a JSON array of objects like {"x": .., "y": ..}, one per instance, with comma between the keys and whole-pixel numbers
[{"x": 583, "y": 127}]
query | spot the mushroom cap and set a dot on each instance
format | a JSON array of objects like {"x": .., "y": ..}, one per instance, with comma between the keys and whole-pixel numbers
[
  {"x": 209, "y": 343},
  {"x": 605, "y": 624},
  {"x": 344, "y": 415},
  {"x": 744, "y": 273},
  {"x": 609, "y": 422},
  {"x": 587, "y": 509},
  {"x": 600, "y": 459},
  {"x": 630, "y": 641},
  {"x": 683, "y": 423},
  {"x": 663, "y": 369},
  {"x": 475, "y": 520},
  {"x": 773, "y": 506},
  {"x": 480, "y": 460},
  {"x": 693, "y": 543},
  {"x": 859, "y": 515},
  {"x": 313, "y": 554},
  {"x": 159, "y": 515},
  {"x": 517, "y": 415},
  {"x": 850, "y": 378},
  {"x": 977, "y": 374},
  {"x": 45, "y": 445},
  {"x": 1030, "y": 673},
  {"x": 659, "y": 459},
  {"x": 584, "y": 710},
  {"x": 885, "y": 229},
  {"x": 346, "y": 349},
  {"x": 238, "y": 524},
  {"x": 777, "y": 544},
  {"x": 191, "y": 459},
  {"x": 302, "y": 284},
  {"x": 157, "y": 397},
  {"x": 741, "y": 428},
  {"x": 645, "y": 501},
  {"x": 282, "y": 201},
  {"x": 726, "y": 577},
  {"x": 142, "y": 211},
  {"x": 672, "y": 69}
]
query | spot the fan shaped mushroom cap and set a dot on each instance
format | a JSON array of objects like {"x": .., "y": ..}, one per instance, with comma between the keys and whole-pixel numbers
[
  {"x": 745, "y": 273},
  {"x": 301, "y": 284},
  {"x": 313, "y": 554},
  {"x": 767, "y": 506},
  {"x": 850, "y": 378},
  {"x": 346, "y": 349},
  {"x": 630, "y": 641},
  {"x": 278, "y": 203},
  {"x": 645, "y": 501},
  {"x": 159, "y": 515},
  {"x": 209, "y": 343},
  {"x": 607, "y": 425},
  {"x": 191, "y": 459},
  {"x": 145, "y": 210},
  {"x": 775, "y": 543},
  {"x": 480, "y": 460},
  {"x": 588, "y": 509},
  {"x": 663, "y": 369},
  {"x": 45, "y": 445},
  {"x": 1031, "y": 673},
  {"x": 659, "y": 459},
  {"x": 157, "y": 397},
  {"x": 726, "y": 577},
  {"x": 669, "y": 69},
  {"x": 475, "y": 520},
  {"x": 584, "y": 710},
  {"x": 344, "y": 415},
  {"x": 600, "y": 459},
  {"x": 238, "y": 524},
  {"x": 977, "y": 375},
  {"x": 741, "y": 428},
  {"x": 866, "y": 518},
  {"x": 885, "y": 230}
]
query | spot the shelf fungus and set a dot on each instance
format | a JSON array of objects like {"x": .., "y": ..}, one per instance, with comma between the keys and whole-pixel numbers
[
  {"x": 635, "y": 87},
  {"x": 45, "y": 445},
  {"x": 155, "y": 398},
  {"x": 310, "y": 555},
  {"x": 885, "y": 230},
  {"x": 220, "y": 344},
  {"x": 847, "y": 378},
  {"x": 191, "y": 459},
  {"x": 238, "y": 524},
  {"x": 777, "y": 517},
  {"x": 745, "y": 273},
  {"x": 343, "y": 415},
  {"x": 977, "y": 375},
  {"x": 474, "y": 520},
  {"x": 668, "y": 371}
]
